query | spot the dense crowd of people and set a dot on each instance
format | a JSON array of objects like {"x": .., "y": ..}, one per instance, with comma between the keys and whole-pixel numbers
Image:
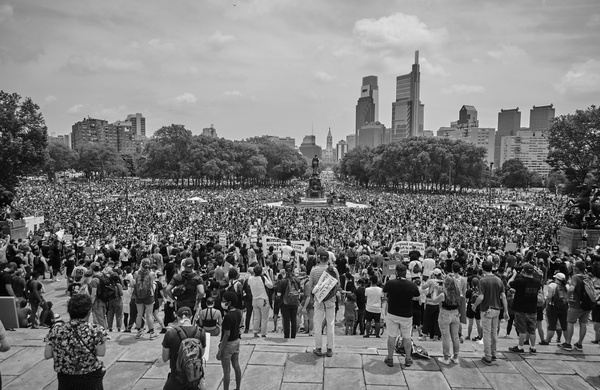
[{"x": 152, "y": 261}]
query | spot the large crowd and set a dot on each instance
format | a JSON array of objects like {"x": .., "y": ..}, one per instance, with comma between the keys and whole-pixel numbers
[{"x": 145, "y": 258}]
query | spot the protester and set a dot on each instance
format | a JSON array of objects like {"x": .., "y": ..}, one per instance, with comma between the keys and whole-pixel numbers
[
  {"x": 260, "y": 301},
  {"x": 143, "y": 293},
  {"x": 289, "y": 292},
  {"x": 449, "y": 318},
  {"x": 76, "y": 346},
  {"x": 400, "y": 293},
  {"x": 525, "y": 307},
  {"x": 210, "y": 318},
  {"x": 374, "y": 295},
  {"x": 557, "y": 306},
  {"x": 576, "y": 313},
  {"x": 229, "y": 347},
  {"x": 187, "y": 288},
  {"x": 4, "y": 344},
  {"x": 491, "y": 300}
]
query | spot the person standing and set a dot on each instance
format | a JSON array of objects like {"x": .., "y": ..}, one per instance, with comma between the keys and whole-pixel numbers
[
  {"x": 576, "y": 313},
  {"x": 36, "y": 299},
  {"x": 98, "y": 305},
  {"x": 398, "y": 319},
  {"x": 525, "y": 307},
  {"x": 4, "y": 344},
  {"x": 143, "y": 293},
  {"x": 229, "y": 347},
  {"x": 557, "y": 306},
  {"x": 260, "y": 300},
  {"x": 449, "y": 318},
  {"x": 290, "y": 292},
  {"x": 374, "y": 295},
  {"x": 326, "y": 308},
  {"x": 361, "y": 302},
  {"x": 491, "y": 300},
  {"x": 186, "y": 288}
]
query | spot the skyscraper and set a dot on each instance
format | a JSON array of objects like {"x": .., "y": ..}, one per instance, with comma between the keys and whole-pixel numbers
[
  {"x": 329, "y": 153},
  {"x": 138, "y": 124},
  {"x": 407, "y": 110},
  {"x": 329, "y": 141},
  {"x": 341, "y": 150},
  {"x": 367, "y": 107},
  {"x": 467, "y": 117},
  {"x": 351, "y": 141},
  {"x": 509, "y": 122},
  {"x": 371, "y": 135},
  {"x": 540, "y": 118},
  {"x": 531, "y": 147},
  {"x": 309, "y": 148}
]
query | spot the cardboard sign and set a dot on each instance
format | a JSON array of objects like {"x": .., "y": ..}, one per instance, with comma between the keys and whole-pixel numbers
[
  {"x": 510, "y": 247},
  {"x": 406, "y": 246},
  {"x": 223, "y": 239},
  {"x": 68, "y": 238},
  {"x": 8, "y": 313},
  {"x": 89, "y": 250},
  {"x": 389, "y": 267},
  {"x": 325, "y": 284}
]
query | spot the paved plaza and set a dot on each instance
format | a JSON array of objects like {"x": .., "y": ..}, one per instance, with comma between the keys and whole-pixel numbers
[{"x": 278, "y": 364}]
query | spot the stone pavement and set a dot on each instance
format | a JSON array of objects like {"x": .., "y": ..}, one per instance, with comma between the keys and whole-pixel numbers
[{"x": 279, "y": 364}]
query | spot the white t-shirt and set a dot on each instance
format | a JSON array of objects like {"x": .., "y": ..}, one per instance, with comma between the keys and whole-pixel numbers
[
  {"x": 428, "y": 266},
  {"x": 374, "y": 295}
]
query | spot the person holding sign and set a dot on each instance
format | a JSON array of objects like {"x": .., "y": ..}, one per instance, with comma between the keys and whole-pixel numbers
[{"x": 324, "y": 282}]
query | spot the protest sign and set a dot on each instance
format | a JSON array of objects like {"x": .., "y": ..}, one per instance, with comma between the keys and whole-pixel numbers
[
  {"x": 325, "y": 284},
  {"x": 406, "y": 246},
  {"x": 510, "y": 247},
  {"x": 389, "y": 267},
  {"x": 223, "y": 239}
]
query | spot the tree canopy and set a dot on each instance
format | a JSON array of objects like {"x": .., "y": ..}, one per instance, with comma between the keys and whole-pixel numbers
[
  {"x": 59, "y": 157},
  {"x": 99, "y": 160},
  {"x": 23, "y": 139}
]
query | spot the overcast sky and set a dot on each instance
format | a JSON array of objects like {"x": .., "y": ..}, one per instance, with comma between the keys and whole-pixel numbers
[{"x": 280, "y": 67}]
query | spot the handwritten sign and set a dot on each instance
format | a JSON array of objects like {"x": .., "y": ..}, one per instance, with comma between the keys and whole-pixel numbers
[
  {"x": 325, "y": 284},
  {"x": 389, "y": 267},
  {"x": 223, "y": 239},
  {"x": 406, "y": 246}
]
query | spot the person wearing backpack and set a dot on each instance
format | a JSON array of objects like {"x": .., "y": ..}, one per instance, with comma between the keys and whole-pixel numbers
[
  {"x": 260, "y": 301},
  {"x": 115, "y": 303},
  {"x": 579, "y": 309},
  {"x": 186, "y": 288},
  {"x": 183, "y": 346},
  {"x": 229, "y": 347},
  {"x": 557, "y": 306},
  {"x": 143, "y": 293},
  {"x": 290, "y": 293},
  {"x": 99, "y": 303}
]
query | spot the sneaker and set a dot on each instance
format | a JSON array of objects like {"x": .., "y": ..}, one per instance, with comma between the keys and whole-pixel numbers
[
  {"x": 494, "y": 358},
  {"x": 486, "y": 361},
  {"x": 594, "y": 341},
  {"x": 578, "y": 347},
  {"x": 329, "y": 352},
  {"x": 107, "y": 338},
  {"x": 544, "y": 342},
  {"x": 468, "y": 338},
  {"x": 256, "y": 335},
  {"x": 264, "y": 336},
  {"x": 153, "y": 336},
  {"x": 139, "y": 334},
  {"x": 516, "y": 349},
  {"x": 461, "y": 340},
  {"x": 163, "y": 330},
  {"x": 408, "y": 362},
  {"x": 454, "y": 360},
  {"x": 366, "y": 336},
  {"x": 317, "y": 352},
  {"x": 532, "y": 351},
  {"x": 110, "y": 329},
  {"x": 444, "y": 361},
  {"x": 566, "y": 347},
  {"x": 127, "y": 331}
]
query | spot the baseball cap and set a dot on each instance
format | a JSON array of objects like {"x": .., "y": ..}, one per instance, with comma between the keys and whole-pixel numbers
[
  {"x": 559, "y": 276},
  {"x": 528, "y": 267},
  {"x": 322, "y": 252},
  {"x": 95, "y": 266},
  {"x": 437, "y": 271},
  {"x": 188, "y": 263},
  {"x": 184, "y": 311}
]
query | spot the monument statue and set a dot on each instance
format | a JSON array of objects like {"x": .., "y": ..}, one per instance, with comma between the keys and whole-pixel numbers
[
  {"x": 315, "y": 165},
  {"x": 583, "y": 211}
]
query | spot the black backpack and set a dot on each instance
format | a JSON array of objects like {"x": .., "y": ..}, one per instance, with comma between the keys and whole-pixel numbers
[
  {"x": 107, "y": 289},
  {"x": 186, "y": 291},
  {"x": 240, "y": 302}
]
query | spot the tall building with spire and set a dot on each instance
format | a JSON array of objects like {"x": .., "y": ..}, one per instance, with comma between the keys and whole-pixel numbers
[
  {"x": 367, "y": 107},
  {"x": 407, "y": 110},
  {"x": 329, "y": 152}
]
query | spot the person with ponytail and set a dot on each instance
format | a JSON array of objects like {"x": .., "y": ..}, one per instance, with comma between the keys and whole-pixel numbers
[{"x": 447, "y": 294}]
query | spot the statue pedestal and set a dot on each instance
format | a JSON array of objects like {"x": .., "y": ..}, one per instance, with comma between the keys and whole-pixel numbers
[{"x": 569, "y": 240}]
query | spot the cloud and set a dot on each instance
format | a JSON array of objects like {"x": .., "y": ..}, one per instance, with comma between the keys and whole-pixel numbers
[
  {"x": 397, "y": 31},
  {"x": 6, "y": 12},
  {"x": 219, "y": 41},
  {"x": 594, "y": 21},
  {"x": 233, "y": 97},
  {"x": 86, "y": 64},
  {"x": 507, "y": 53},
  {"x": 463, "y": 89},
  {"x": 186, "y": 98},
  {"x": 50, "y": 99},
  {"x": 324, "y": 77},
  {"x": 232, "y": 94},
  {"x": 582, "y": 78},
  {"x": 76, "y": 109},
  {"x": 156, "y": 44},
  {"x": 432, "y": 69}
]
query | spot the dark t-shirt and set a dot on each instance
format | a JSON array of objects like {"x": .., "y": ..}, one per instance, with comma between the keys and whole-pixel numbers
[
  {"x": 492, "y": 288},
  {"x": 526, "y": 291},
  {"x": 400, "y": 294},
  {"x": 231, "y": 322},
  {"x": 172, "y": 340},
  {"x": 361, "y": 299},
  {"x": 5, "y": 279}
]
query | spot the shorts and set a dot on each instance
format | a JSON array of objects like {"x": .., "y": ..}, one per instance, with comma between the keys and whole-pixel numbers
[
  {"x": 372, "y": 316},
  {"x": 574, "y": 315},
  {"x": 416, "y": 313},
  {"x": 473, "y": 314},
  {"x": 525, "y": 322},
  {"x": 540, "y": 314},
  {"x": 596, "y": 313},
  {"x": 398, "y": 326},
  {"x": 277, "y": 306},
  {"x": 231, "y": 348},
  {"x": 556, "y": 316}
]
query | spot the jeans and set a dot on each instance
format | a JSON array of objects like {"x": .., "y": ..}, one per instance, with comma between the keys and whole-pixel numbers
[
  {"x": 143, "y": 309},
  {"x": 99, "y": 312},
  {"x": 290, "y": 317},
  {"x": 489, "y": 324},
  {"x": 324, "y": 310},
  {"x": 449, "y": 321},
  {"x": 115, "y": 310},
  {"x": 249, "y": 308},
  {"x": 260, "y": 309},
  {"x": 360, "y": 322}
]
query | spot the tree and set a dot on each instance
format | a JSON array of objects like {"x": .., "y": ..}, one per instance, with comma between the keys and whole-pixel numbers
[
  {"x": 99, "y": 160},
  {"x": 574, "y": 143},
  {"x": 515, "y": 174},
  {"x": 59, "y": 157},
  {"x": 23, "y": 139},
  {"x": 357, "y": 163}
]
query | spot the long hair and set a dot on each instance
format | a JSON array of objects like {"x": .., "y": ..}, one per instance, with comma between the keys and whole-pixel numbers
[{"x": 452, "y": 295}]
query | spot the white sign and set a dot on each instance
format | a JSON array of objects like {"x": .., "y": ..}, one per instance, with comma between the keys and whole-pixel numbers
[
  {"x": 223, "y": 239},
  {"x": 325, "y": 284},
  {"x": 406, "y": 246}
]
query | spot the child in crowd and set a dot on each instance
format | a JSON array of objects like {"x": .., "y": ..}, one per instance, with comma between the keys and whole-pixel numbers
[
  {"x": 126, "y": 300},
  {"x": 350, "y": 312},
  {"x": 471, "y": 296}
]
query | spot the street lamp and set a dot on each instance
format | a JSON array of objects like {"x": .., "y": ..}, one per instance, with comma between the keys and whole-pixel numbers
[{"x": 490, "y": 183}]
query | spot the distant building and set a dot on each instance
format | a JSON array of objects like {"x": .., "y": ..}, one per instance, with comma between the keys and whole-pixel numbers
[
  {"x": 309, "y": 148},
  {"x": 509, "y": 123},
  {"x": 210, "y": 131},
  {"x": 289, "y": 141},
  {"x": 482, "y": 137},
  {"x": 90, "y": 130},
  {"x": 372, "y": 135},
  {"x": 64, "y": 139},
  {"x": 120, "y": 135},
  {"x": 428, "y": 133},
  {"x": 540, "y": 117},
  {"x": 351, "y": 141},
  {"x": 329, "y": 152},
  {"x": 467, "y": 117},
  {"x": 138, "y": 124},
  {"x": 407, "y": 110},
  {"x": 531, "y": 147},
  {"x": 340, "y": 150},
  {"x": 367, "y": 107}
]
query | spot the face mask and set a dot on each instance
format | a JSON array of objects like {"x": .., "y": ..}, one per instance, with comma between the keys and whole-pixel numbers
[{"x": 225, "y": 306}]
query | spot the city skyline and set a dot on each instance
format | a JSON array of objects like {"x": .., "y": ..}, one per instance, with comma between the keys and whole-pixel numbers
[{"x": 284, "y": 67}]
